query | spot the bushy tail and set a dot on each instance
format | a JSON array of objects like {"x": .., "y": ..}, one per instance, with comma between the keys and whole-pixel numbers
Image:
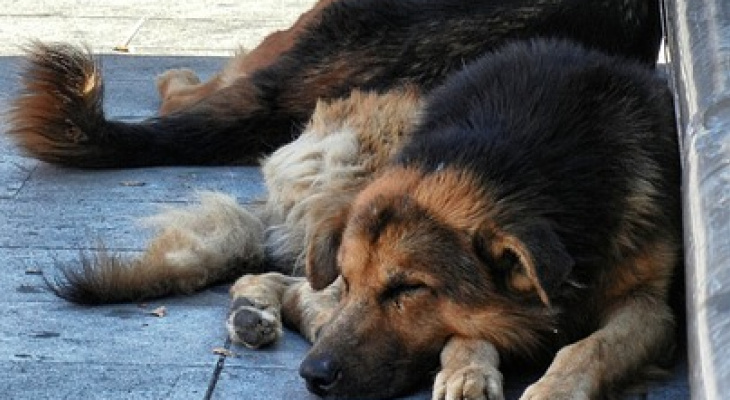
[
  {"x": 196, "y": 246},
  {"x": 60, "y": 104},
  {"x": 58, "y": 117}
]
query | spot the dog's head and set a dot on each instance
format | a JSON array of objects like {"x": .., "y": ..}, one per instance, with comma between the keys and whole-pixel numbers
[{"x": 423, "y": 258}]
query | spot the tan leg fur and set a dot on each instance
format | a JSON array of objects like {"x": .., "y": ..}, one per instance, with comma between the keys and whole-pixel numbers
[
  {"x": 469, "y": 370},
  {"x": 259, "y": 302}
]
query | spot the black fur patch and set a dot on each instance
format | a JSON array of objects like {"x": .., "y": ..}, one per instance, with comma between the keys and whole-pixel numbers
[{"x": 565, "y": 136}]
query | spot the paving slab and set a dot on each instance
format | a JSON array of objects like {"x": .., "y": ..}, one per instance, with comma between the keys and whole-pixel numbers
[
  {"x": 15, "y": 171},
  {"x": 202, "y": 27},
  {"x": 151, "y": 185},
  {"x": 51, "y": 349},
  {"x": 243, "y": 383},
  {"x": 126, "y": 334},
  {"x": 29, "y": 380}
]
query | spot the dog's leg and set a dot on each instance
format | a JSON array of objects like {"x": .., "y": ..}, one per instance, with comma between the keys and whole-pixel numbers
[
  {"x": 173, "y": 81},
  {"x": 254, "y": 319},
  {"x": 634, "y": 334},
  {"x": 180, "y": 88},
  {"x": 469, "y": 370},
  {"x": 259, "y": 302},
  {"x": 308, "y": 310}
]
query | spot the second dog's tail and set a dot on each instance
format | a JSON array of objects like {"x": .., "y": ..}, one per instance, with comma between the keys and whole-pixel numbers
[
  {"x": 59, "y": 118},
  {"x": 197, "y": 246}
]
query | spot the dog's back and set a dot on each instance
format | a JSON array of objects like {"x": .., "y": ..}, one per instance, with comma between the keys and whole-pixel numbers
[{"x": 593, "y": 149}]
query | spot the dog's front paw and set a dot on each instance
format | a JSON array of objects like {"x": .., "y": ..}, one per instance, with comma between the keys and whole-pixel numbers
[
  {"x": 253, "y": 323},
  {"x": 473, "y": 382},
  {"x": 560, "y": 387}
]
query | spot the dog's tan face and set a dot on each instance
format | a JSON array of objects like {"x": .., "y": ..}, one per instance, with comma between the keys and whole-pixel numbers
[
  {"x": 411, "y": 280},
  {"x": 388, "y": 331}
]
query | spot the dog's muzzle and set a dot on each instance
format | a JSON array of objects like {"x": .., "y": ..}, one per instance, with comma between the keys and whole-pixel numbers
[{"x": 321, "y": 372}]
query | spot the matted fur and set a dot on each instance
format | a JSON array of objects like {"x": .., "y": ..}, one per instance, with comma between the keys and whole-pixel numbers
[{"x": 488, "y": 238}]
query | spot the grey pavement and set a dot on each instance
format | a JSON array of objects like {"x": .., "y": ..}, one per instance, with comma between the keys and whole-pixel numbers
[{"x": 50, "y": 349}]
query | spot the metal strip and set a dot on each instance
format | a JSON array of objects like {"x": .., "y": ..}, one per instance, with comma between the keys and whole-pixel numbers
[{"x": 698, "y": 39}]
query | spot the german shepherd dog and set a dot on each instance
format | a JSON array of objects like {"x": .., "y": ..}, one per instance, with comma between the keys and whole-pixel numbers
[{"x": 478, "y": 183}]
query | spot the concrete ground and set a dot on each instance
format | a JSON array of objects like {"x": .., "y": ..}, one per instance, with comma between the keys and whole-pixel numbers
[{"x": 50, "y": 349}]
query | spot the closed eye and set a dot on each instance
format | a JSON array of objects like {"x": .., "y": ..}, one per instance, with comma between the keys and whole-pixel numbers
[{"x": 397, "y": 290}]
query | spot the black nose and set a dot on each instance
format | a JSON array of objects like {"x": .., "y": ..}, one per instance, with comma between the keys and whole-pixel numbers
[{"x": 321, "y": 373}]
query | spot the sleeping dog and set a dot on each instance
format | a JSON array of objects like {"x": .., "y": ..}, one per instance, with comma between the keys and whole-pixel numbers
[{"x": 524, "y": 208}]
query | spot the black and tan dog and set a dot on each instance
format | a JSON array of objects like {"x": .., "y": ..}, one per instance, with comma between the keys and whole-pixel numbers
[
  {"x": 534, "y": 208},
  {"x": 527, "y": 206}
]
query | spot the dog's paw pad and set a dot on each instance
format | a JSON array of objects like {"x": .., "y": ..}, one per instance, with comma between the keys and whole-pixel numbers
[
  {"x": 470, "y": 382},
  {"x": 252, "y": 324}
]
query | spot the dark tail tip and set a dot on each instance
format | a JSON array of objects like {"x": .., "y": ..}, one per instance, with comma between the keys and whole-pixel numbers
[{"x": 92, "y": 279}]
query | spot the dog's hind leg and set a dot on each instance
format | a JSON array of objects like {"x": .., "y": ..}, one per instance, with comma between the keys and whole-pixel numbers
[
  {"x": 180, "y": 88},
  {"x": 260, "y": 303},
  {"x": 469, "y": 370}
]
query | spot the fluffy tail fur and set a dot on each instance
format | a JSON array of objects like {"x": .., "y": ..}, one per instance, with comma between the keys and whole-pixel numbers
[
  {"x": 196, "y": 246},
  {"x": 59, "y": 118}
]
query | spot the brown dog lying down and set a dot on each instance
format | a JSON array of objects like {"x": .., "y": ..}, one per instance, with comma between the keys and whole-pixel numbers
[
  {"x": 367, "y": 44},
  {"x": 529, "y": 205},
  {"x": 532, "y": 208},
  {"x": 524, "y": 211}
]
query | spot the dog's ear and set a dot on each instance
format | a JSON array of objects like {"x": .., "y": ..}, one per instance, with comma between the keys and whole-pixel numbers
[
  {"x": 323, "y": 245},
  {"x": 532, "y": 256}
]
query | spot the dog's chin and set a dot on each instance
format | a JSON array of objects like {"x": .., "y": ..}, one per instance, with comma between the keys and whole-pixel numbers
[{"x": 381, "y": 387}]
